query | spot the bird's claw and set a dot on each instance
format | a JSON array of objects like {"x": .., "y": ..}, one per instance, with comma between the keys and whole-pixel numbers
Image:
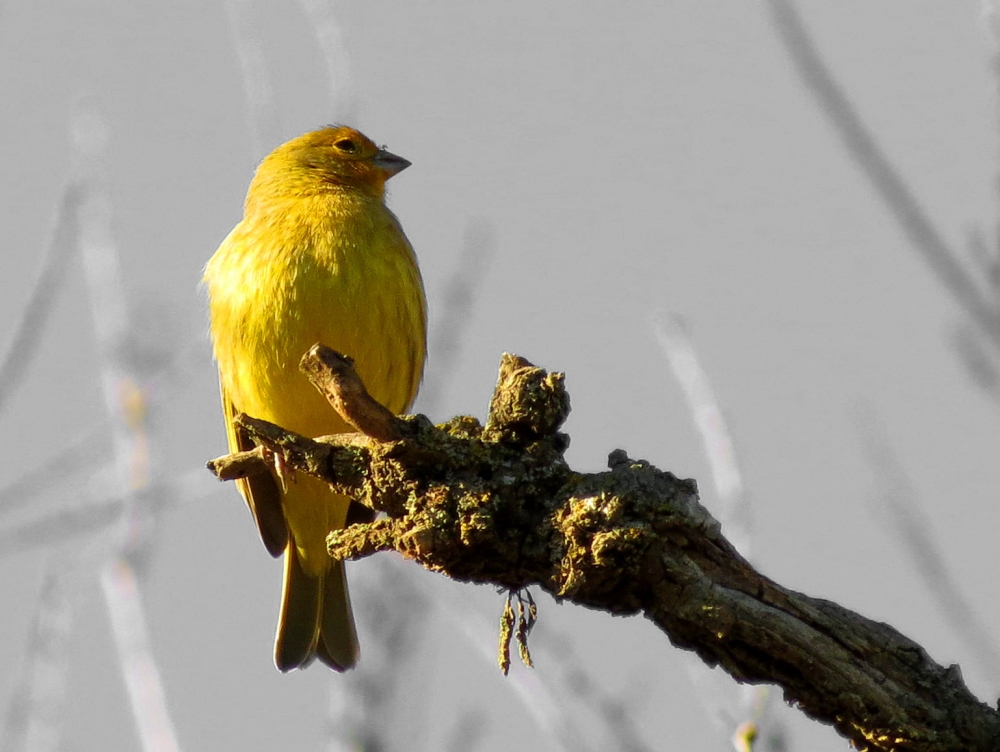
[{"x": 281, "y": 468}]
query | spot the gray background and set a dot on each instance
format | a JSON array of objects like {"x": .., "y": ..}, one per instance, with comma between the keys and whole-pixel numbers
[{"x": 623, "y": 160}]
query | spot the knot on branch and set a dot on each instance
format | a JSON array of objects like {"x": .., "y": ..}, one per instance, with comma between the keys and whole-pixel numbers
[
  {"x": 528, "y": 402},
  {"x": 614, "y": 525}
]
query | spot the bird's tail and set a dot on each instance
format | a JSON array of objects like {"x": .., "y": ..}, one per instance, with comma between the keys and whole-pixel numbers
[
  {"x": 337, "y": 646},
  {"x": 315, "y": 619}
]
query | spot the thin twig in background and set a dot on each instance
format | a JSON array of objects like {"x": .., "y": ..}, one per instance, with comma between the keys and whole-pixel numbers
[
  {"x": 330, "y": 42},
  {"x": 869, "y": 157},
  {"x": 74, "y": 518},
  {"x": 985, "y": 255},
  {"x": 731, "y": 706},
  {"x": 979, "y": 362},
  {"x": 453, "y": 313},
  {"x": 87, "y": 513},
  {"x": 125, "y": 403},
  {"x": 262, "y": 117},
  {"x": 102, "y": 277},
  {"x": 898, "y": 497},
  {"x": 34, "y": 716},
  {"x": 733, "y": 509},
  {"x": 35, "y": 315},
  {"x": 979, "y": 359},
  {"x": 142, "y": 675},
  {"x": 76, "y": 460}
]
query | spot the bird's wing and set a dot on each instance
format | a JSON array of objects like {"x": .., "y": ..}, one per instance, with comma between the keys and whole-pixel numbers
[{"x": 260, "y": 491}]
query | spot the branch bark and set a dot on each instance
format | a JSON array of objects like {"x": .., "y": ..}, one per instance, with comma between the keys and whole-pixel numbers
[{"x": 498, "y": 504}]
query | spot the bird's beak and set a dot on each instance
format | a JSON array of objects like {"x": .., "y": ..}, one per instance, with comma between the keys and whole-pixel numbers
[{"x": 390, "y": 163}]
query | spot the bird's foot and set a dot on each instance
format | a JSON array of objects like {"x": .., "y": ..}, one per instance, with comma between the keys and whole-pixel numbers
[{"x": 282, "y": 469}]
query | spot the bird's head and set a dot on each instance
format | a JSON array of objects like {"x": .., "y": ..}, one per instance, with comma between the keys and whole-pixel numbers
[{"x": 332, "y": 156}]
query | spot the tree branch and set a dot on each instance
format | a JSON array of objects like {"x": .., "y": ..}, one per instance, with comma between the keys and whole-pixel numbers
[{"x": 498, "y": 504}]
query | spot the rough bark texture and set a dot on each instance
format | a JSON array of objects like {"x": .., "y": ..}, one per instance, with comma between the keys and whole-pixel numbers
[{"x": 498, "y": 504}]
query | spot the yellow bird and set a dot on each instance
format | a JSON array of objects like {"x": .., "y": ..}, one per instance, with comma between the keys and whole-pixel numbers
[{"x": 318, "y": 257}]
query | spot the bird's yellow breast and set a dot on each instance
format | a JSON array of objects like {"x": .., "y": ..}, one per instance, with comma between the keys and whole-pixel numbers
[{"x": 335, "y": 269}]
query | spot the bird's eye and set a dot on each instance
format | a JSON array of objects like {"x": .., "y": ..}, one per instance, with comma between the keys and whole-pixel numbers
[{"x": 345, "y": 144}]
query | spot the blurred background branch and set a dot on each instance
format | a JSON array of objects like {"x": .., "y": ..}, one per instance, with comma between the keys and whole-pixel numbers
[{"x": 883, "y": 176}]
